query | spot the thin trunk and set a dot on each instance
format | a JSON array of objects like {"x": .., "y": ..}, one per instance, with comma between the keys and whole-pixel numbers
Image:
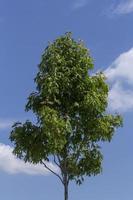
[
  {"x": 66, "y": 191},
  {"x": 66, "y": 182},
  {"x": 65, "y": 174}
]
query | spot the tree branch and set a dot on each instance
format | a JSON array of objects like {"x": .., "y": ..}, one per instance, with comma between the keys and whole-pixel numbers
[
  {"x": 59, "y": 159},
  {"x": 56, "y": 161},
  {"x": 52, "y": 172}
]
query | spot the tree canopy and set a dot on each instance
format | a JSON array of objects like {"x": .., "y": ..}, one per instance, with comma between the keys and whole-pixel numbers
[{"x": 70, "y": 106}]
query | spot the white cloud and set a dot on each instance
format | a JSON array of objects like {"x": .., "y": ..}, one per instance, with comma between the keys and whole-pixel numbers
[
  {"x": 120, "y": 76},
  {"x": 122, "y": 68},
  {"x": 12, "y": 165},
  {"x": 124, "y": 7},
  {"x": 5, "y": 124},
  {"x": 79, "y": 4},
  {"x": 120, "y": 99}
]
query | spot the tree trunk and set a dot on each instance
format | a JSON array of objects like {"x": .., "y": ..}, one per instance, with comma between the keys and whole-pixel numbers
[{"x": 65, "y": 191}]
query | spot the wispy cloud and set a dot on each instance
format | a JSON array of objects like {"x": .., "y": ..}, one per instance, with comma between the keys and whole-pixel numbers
[
  {"x": 5, "y": 123},
  {"x": 10, "y": 164},
  {"x": 124, "y": 7},
  {"x": 79, "y": 4},
  {"x": 120, "y": 76}
]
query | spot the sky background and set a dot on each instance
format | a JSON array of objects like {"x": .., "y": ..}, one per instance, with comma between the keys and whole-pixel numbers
[{"x": 107, "y": 30}]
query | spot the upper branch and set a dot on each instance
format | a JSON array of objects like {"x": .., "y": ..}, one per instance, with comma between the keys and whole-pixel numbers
[{"x": 55, "y": 161}]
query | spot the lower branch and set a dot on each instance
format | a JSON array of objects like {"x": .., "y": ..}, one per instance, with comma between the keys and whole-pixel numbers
[{"x": 52, "y": 172}]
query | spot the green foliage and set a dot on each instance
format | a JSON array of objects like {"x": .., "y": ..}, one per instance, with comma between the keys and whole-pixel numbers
[{"x": 70, "y": 106}]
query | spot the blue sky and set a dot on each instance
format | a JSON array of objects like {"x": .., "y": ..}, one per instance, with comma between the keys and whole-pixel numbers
[{"x": 25, "y": 29}]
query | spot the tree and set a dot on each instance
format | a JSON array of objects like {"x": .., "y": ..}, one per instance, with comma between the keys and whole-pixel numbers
[{"x": 70, "y": 106}]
